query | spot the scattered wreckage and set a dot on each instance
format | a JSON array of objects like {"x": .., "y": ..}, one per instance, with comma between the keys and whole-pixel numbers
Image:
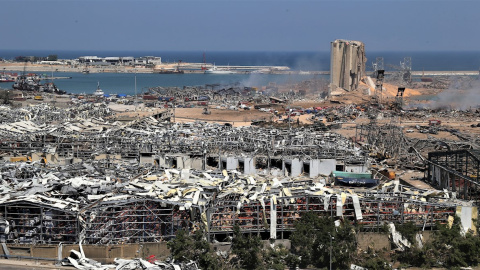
[{"x": 74, "y": 176}]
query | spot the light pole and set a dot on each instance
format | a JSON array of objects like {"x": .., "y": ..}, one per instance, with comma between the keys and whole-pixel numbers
[{"x": 331, "y": 247}]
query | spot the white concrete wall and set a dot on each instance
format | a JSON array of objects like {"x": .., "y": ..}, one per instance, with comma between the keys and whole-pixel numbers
[
  {"x": 146, "y": 159},
  {"x": 249, "y": 166},
  {"x": 232, "y": 163},
  {"x": 296, "y": 167},
  {"x": 356, "y": 168},
  {"x": 326, "y": 166}
]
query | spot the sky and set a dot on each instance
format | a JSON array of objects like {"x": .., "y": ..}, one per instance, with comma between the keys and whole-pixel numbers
[{"x": 234, "y": 25}]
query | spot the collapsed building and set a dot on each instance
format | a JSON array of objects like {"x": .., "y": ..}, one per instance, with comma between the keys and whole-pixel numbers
[{"x": 72, "y": 176}]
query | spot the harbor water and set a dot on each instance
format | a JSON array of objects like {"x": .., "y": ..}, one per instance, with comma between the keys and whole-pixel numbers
[{"x": 124, "y": 83}]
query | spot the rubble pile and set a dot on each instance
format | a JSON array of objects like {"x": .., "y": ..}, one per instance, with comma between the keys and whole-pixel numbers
[
  {"x": 44, "y": 113},
  {"x": 65, "y": 141},
  {"x": 97, "y": 181},
  {"x": 53, "y": 205}
]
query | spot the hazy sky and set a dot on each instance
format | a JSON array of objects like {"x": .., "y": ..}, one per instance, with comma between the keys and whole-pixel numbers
[{"x": 234, "y": 25}]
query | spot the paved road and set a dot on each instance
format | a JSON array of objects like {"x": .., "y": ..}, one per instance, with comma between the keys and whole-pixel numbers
[
  {"x": 19, "y": 267},
  {"x": 30, "y": 267},
  {"x": 12, "y": 264}
]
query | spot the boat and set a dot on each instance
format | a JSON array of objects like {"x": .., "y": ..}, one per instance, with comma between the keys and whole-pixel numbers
[
  {"x": 6, "y": 78},
  {"x": 425, "y": 79},
  {"x": 99, "y": 92},
  {"x": 170, "y": 71},
  {"x": 31, "y": 82},
  {"x": 177, "y": 70},
  {"x": 215, "y": 70},
  {"x": 50, "y": 87}
]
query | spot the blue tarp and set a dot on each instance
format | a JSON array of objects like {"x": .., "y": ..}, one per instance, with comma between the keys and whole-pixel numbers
[{"x": 121, "y": 95}]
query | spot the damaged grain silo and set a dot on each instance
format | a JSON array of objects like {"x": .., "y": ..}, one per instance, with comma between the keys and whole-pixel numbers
[{"x": 347, "y": 64}]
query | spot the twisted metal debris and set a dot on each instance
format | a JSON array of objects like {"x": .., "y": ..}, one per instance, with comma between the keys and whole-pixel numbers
[{"x": 74, "y": 178}]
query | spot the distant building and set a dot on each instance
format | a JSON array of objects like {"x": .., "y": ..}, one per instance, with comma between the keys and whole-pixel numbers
[
  {"x": 90, "y": 59},
  {"x": 149, "y": 60},
  {"x": 120, "y": 61}
]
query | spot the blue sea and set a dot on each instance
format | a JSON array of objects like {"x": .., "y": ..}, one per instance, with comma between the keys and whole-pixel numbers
[{"x": 315, "y": 61}]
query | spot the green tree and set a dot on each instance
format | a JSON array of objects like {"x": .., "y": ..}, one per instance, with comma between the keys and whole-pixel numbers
[
  {"x": 374, "y": 260},
  {"x": 304, "y": 238},
  {"x": 247, "y": 250},
  {"x": 5, "y": 96},
  {"x": 454, "y": 250},
  {"x": 448, "y": 248},
  {"x": 408, "y": 230},
  {"x": 278, "y": 258},
  {"x": 314, "y": 237},
  {"x": 186, "y": 248}
]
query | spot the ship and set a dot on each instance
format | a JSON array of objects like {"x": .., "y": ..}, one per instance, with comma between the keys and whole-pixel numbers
[
  {"x": 99, "y": 92},
  {"x": 215, "y": 70},
  {"x": 170, "y": 71},
  {"x": 177, "y": 70},
  {"x": 32, "y": 82},
  {"x": 425, "y": 79},
  {"x": 6, "y": 78}
]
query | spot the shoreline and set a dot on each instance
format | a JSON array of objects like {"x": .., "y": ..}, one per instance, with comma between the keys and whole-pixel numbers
[{"x": 18, "y": 67}]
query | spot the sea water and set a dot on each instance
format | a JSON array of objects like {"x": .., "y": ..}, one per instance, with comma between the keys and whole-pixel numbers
[
  {"x": 124, "y": 83},
  {"x": 116, "y": 83}
]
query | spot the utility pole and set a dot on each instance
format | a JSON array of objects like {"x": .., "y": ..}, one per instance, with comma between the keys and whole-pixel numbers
[{"x": 331, "y": 247}]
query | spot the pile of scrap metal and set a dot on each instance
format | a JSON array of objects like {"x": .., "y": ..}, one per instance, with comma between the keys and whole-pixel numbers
[
  {"x": 78, "y": 260},
  {"x": 154, "y": 142},
  {"x": 53, "y": 205},
  {"x": 44, "y": 113},
  {"x": 111, "y": 183}
]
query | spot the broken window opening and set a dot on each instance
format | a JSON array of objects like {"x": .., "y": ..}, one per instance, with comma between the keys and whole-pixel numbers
[
  {"x": 306, "y": 168},
  {"x": 340, "y": 167},
  {"x": 276, "y": 164},
  {"x": 241, "y": 166},
  {"x": 288, "y": 168},
  {"x": 212, "y": 162}
]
